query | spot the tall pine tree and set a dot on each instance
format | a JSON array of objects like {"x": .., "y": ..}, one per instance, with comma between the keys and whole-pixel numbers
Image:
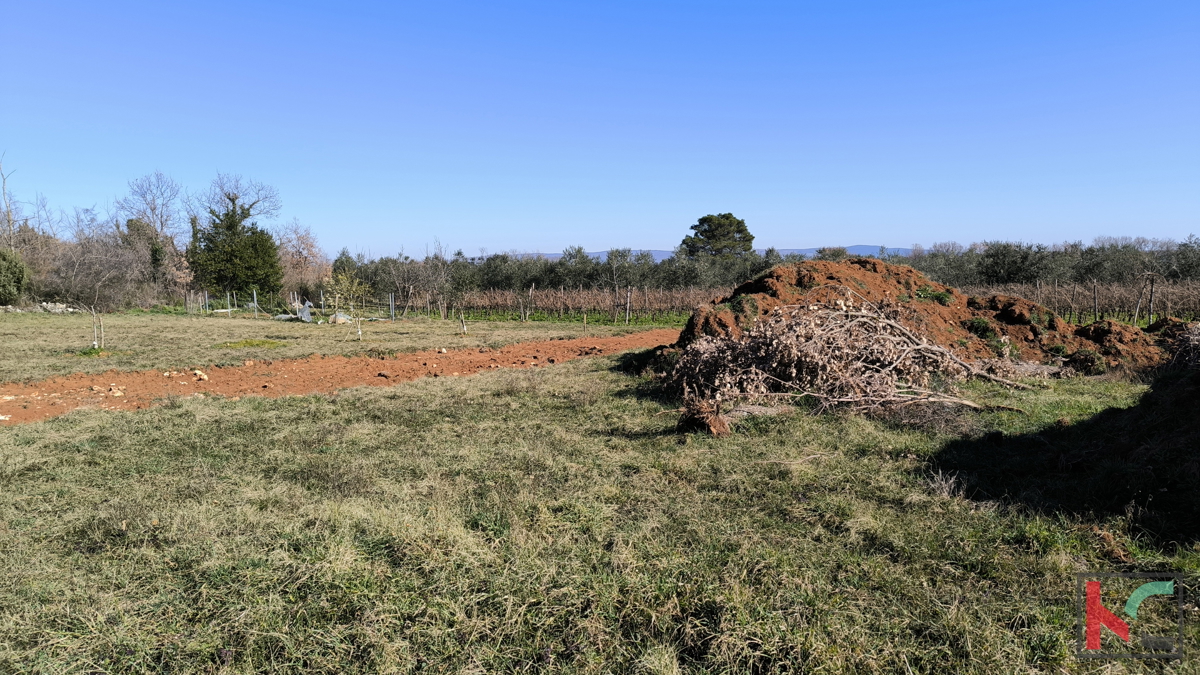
[{"x": 720, "y": 235}]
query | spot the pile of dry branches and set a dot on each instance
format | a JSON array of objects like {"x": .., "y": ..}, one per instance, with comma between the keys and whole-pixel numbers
[
  {"x": 841, "y": 355},
  {"x": 1188, "y": 352}
]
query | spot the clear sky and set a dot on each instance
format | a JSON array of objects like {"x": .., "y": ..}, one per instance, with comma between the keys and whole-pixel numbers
[{"x": 536, "y": 125}]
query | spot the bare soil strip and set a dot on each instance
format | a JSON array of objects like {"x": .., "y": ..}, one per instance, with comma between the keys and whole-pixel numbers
[{"x": 116, "y": 390}]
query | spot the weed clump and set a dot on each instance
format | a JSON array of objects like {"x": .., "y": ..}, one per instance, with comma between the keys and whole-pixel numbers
[
  {"x": 1088, "y": 362},
  {"x": 943, "y": 298},
  {"x": 980, "y": 327}
]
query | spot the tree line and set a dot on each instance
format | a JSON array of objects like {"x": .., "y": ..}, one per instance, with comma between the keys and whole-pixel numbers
[
  {"x": 160, "y": 241},
  {"x": 1106, "y": 260},
  {"x": 153, "y": 245}
]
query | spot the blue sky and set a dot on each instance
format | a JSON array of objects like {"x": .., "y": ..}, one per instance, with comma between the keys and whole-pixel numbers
[{"x": 537, "y": 125}]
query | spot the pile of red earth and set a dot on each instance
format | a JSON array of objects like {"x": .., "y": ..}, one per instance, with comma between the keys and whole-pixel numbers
[{"x": 974, "y": 329}]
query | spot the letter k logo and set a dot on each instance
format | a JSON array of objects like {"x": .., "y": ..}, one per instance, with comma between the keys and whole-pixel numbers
[{"x": 1098, "y": 615}]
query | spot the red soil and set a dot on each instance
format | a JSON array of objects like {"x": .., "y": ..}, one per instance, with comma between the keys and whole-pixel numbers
[
  {"x": 116, "y": 390},
  {"x": 939, "y": 313}
]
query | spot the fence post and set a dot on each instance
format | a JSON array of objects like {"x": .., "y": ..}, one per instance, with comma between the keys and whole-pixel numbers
[
  {"x": 1138, "y": 307},
  {"x": 228, "y": 313},
  {"x": 1150, "y": 309},
  {"x": 392, "y": 305},
  {"x": 628, "y": 299},
  {"x": 255, "y": 292},
  {"x": 207, "y": 308}
]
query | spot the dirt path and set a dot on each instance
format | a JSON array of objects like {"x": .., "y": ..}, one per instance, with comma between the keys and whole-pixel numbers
[{"x": 116, "y": 390}]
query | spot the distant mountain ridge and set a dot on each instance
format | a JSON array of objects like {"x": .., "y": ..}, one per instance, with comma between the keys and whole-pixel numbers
[{"x": 659, "y": 255}]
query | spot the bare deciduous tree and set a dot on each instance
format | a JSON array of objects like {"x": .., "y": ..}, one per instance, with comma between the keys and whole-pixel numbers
[
  {"x": 96, "y": 269},
  {"x": 305, "y": 265},
  {"x": 154, "y": 199},
  {"x": 261, "y": 199},
  {"x": 8, "y": 214}
]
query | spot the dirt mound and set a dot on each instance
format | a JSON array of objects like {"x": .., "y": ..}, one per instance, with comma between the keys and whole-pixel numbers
[
  {"x": 116, "y": 390},
  {"x": 974, "y": 329}
]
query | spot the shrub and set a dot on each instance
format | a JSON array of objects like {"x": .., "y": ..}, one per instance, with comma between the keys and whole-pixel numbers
[{"x": 14, "y": 277}]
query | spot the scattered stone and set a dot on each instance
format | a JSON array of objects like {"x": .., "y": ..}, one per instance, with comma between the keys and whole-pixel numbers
[
  {"x": 383, "y": 374},
  {"x": 199, "y": 375}
]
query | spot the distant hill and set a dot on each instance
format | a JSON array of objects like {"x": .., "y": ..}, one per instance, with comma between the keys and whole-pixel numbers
[{"x": 659, "y": 256}]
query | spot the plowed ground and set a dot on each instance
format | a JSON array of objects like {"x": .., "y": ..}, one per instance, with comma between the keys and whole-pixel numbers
[{"x": 116, "y": 390}]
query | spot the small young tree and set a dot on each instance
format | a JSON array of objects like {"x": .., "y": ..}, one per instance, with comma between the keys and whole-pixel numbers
[{"x": 345, "y": 289}]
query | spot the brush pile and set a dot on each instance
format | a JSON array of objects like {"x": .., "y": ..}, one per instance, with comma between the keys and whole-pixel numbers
[
  {"x": 865, "y": 335},
  {"x": 1187, "y": 354},
  {"x": 846, "y": 353}
]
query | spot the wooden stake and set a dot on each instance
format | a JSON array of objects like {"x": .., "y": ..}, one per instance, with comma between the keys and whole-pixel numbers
[
  {"x": 1138, "y": 307},
  {"x": 1150, "y": 309}
]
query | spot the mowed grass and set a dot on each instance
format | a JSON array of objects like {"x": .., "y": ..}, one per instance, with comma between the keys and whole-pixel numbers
[
  {"x": 38, "y": 346},
  {"x": 533, "y": 521}
]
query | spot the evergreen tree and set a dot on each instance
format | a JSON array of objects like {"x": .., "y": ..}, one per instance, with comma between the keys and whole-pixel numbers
[
  {"x": 233, "y": 254},
  {"x": 721, "y": 235},
  {"x": 142, "y": 236},
  {"x": 345, "y": 263},
  {"x": 14, "y": 277}
]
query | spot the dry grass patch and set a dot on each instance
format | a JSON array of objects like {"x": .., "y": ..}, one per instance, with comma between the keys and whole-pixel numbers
[{"x": 38, "y": 346}]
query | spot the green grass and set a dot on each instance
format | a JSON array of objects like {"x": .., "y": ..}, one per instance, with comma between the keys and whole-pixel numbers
[
  {"x": 39, "y": 346},
  {"x": 537, "y": 521}
]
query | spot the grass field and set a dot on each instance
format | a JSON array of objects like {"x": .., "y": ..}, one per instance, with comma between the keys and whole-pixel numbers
[
  {"x": 38, "y": 346},
  {"x": 542, "y": 521}
]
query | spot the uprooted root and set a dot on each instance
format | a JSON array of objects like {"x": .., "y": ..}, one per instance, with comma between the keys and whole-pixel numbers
[
  {"x": 838, "y": 355},
  {"x": 703, "y": 415}
]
